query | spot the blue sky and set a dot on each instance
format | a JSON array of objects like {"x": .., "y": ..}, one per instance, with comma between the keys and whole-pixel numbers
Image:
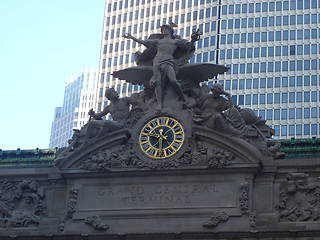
[{"x": 43, "y": 43}]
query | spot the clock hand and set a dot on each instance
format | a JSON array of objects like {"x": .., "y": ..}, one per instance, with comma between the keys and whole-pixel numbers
[
  {"x": 160, "y": 143},
  {"x": 153, "y": 135}
]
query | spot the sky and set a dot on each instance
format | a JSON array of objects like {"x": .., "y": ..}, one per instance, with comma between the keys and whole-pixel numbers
[{"x": 43, "y": 43}]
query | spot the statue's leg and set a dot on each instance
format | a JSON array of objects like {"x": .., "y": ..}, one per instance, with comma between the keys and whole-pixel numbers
[
  {"x": 171, "y": 74},
  {"x": 109, "y": 126},
  {"x": 158, "y": 86},
  {"x": 93, "y": 128}
]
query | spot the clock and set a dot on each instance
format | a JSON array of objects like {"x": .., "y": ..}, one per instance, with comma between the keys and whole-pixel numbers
[{"x": 161, "y": 137}]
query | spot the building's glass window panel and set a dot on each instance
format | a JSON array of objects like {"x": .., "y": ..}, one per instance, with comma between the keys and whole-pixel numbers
[
  {"x": 269, "y": 114},
  {"x": 314, "y": 112},
  {"x": 306, "y": 113},
  {"x": 314, "y": 129},
  {"x": 269, "y": 98},
  {"x": 284, "y": 114},
  {"x": 299, "y": 129},
  {"x": 248, "y": 99},
  {"x": 277, "y": 130},
  {"x": 284, "y": 130},
  {"x": 299, "y": 113},
  {"x": 248, "y": 83},
  {"x": 256, "y": 83},
  {"x": 292, "y": 114},
  {"x": 276, "y": 114},
  {"x": 291, "y": 130},
  {"x": 262, "y": 98},
  {"x": 292, "y": 97},
  {"x": 255, "y": 99},
  {"x": 299, "y": 96},
  {"x": 306, "y": 96},
  {"x": 277, "y": 98},
  {"x": 284, "y": 97},
  {"x": 314, "y": 96},
  {"x": 270, "y": 82},
  {"x": 306, "y": 129}
]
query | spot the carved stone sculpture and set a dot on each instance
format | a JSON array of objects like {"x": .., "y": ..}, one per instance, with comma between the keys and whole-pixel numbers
[
  {"x": 96, "y": 223},
  {"x": 216, "y": 219},
  {"x": 71, "y": 208},
  {"x": 299, "y": 198},
  {"x": 21, "y": 205}
]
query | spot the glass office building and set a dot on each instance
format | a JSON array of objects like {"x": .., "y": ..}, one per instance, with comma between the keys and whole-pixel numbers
[
  {"x": 271, "y": 47},
  {"x": 79, "y": 97}
]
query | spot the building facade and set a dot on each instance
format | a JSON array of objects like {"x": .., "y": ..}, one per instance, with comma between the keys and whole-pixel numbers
[
  {"x": 271, "y": 47},
  {"x": 79, "y": 98}
]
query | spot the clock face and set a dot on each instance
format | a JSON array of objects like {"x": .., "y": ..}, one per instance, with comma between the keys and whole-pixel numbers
[{"x": 161, "y": 137}]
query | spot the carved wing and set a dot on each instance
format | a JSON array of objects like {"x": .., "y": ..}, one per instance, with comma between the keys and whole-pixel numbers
[
  {"x": 135, "y": 75},
  {"x": 199, "y": 72}
]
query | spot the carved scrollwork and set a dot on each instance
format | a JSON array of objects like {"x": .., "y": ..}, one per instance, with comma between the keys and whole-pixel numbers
[
  {"x": 21, "y": 205},
  {"x": 216, "y": 219},
  {"x": 299, "y": 198},
  {"x": 71, "y": 208},
  {"x": 96, "y": 223}
]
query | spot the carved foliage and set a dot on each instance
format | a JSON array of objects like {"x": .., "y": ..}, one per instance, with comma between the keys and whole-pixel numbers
[
  {"x": 216, "y": 219},
  {"x": 104, "y": 160},
  {"x": 71, "y": 208},
  {"x": 299, "y": 198},
  {"x": 125, "y": 156},
  {"x": 21, "y": 205},
  {"x": 244, "y": 204},
  {"x": 96, "y": 223}
]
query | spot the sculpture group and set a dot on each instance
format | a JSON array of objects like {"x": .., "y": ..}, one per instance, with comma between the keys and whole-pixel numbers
[{"x": 173, "y": 84}]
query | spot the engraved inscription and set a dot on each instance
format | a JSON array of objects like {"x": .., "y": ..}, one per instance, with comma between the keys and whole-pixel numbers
[{"x": 146, "y": 196}]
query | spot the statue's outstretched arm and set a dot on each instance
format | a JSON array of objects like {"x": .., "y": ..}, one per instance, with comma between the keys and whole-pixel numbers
[
  {"x": 98, "y": 116},
  {"x": 140, "y": 41}
]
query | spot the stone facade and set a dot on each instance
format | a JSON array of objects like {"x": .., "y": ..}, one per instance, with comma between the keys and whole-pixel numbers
[{"x": 250, "y": 197}]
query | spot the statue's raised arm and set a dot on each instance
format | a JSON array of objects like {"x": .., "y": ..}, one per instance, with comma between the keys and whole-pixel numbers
[{"x": 146, "y": 43}]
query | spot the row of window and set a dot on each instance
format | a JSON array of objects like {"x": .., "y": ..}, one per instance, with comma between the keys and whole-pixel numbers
[
  {"x": 271, "y": 82},
  {"x": 270, "y": 36},
  {"x": 291, "y": 113},
  {"x": 256, "y": 52},
  {"x": 270, "y": 21},
  {"x": 276, "y": 98},
  {"x": 270, "y": 6},
  {"x": 297, "y": 130},
  {"x": 164, "y": 7},
  {"x": 277, "y": 66}
]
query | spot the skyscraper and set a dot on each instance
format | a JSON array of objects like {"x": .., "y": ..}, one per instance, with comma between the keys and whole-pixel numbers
[
  {"x": 79, "y": 98},
  {"x": 271, "y": 47}
]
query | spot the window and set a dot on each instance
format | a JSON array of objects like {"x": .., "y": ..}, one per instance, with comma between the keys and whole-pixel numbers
[
  {"x": 276, "y": 114},
  {"x": 248, "y": 99},
  {"x": 284, "y": 97},
  {"x": 291, "y": 97},
  {"x": 284, "y": 114},
  {"x": 299, "y": 113},
  {"x": 269, "y": 98},
  {"x": 298, "y": 129},
  {"x": 283, "y": 130},
  {"x": 255, "y": 83},
  {"x": 248, "y": 83},
  {"x": 306, "y": 113},
  {"x": 292, "y": 113},
  {"x": 292, "y": 81},
  {"x": 291, "y": 130},
  {"x": 306, "y": 129}
]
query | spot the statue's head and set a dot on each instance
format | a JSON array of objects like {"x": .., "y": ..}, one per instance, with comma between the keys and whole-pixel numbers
[
  {"x": 217, "y": 88},
  {"x": 111, "y": 94},
  {"x": 167, "y": 27}
]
